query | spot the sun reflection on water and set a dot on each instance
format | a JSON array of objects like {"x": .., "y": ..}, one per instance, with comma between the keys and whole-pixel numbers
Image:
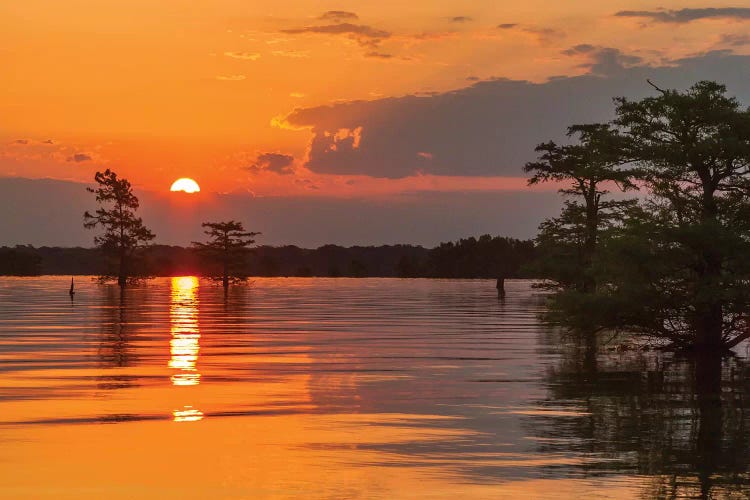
[
  {"x": 187, "y": 414},
  {"x": 185, "y": 343},
  {"x": 184, "y": 346}
]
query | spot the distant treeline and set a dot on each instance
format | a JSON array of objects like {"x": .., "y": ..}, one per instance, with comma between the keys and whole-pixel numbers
[{"x": 483, "y": 257}]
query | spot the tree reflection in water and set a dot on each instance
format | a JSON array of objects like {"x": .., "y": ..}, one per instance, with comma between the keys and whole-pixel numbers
[
  {"x": 680, "y": 422},
  {"x": 120, "y": 317}
]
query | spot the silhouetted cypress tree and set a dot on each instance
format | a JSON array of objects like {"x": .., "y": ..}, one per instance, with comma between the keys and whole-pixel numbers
[{"x": 124, "y": 233}]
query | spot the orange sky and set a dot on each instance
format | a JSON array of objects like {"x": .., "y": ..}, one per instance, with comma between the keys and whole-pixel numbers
[{"x": 160, "y": 90}]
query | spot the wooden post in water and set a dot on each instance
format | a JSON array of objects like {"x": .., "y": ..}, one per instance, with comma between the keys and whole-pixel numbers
[
  {"x": 500, "y": 288},
  {"x": 72, "y": 288}
]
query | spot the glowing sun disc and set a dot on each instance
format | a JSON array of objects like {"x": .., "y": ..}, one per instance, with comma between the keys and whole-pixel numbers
[{"x": 185, "y": 184}]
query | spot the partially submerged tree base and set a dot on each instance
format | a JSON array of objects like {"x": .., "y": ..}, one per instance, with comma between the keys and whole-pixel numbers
[{"x": 228, "y": 247}]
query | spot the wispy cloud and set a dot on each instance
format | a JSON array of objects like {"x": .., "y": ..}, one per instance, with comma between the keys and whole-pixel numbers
[
  {"x": 542, "y": 35},
  {"x": 683, "y": 16},
  {"x": 735, "y": 40},
  {"x": 461, "y": 19},
  {"x": 231, "y": 78},
  {"x": 295, "y": 54},
  {"x": 79, "y": 157},
  {"x": 306, "y": 183},
  {"x": 338, "y": 16},
  {"x": 273, "y": 162},
  {"x": 379, "y": 55},
  {"x": 250, "y": 56},
  {"x": 365, "y": 35}
]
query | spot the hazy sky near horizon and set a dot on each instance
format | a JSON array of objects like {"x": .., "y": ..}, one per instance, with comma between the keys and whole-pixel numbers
[{"x": 320, "y": 104}]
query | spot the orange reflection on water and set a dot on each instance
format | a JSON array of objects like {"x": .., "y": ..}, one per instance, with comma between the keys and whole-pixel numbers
[
  {"x": 183, "y": 317},
  {"x": 187, "y": 414}
]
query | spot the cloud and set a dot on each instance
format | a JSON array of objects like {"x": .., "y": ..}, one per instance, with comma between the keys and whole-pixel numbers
[
  {"x": 543, "y": 35},
  {"x": 378, "y": 55},
  {"x": 492, "y": 126},
  {"x": 683, "y": 16},
  {"x": 583, "y": 48},
  {"x": 21, "y": 141},
  {"x": 307, "y": 184},
  {"x": 734, "y": 40},
  {"x": 338, "y": 16},
  {"x": 461, "y": 19},
  {"x": 273, "y": 162},
  {"x": 79, "y": 157},
  {"x": 297, "y": 95},
  {"x": 365, "y": 35},
  {"x": 231, "y": 78},
  {"x": 250, "y": 56},
  {"x": 603, "y": 60},
  {"x": 295, "y": 54}
]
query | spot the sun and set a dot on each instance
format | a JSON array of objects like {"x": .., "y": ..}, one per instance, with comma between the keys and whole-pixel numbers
[{"x": 185, "y": 184}]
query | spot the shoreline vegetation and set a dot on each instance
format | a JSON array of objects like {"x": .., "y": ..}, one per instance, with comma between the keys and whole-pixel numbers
[{"x": 467, "y": 258}]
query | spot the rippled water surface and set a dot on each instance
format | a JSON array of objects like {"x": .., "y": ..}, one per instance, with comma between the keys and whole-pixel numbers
[{"x": 342, "y": 388}]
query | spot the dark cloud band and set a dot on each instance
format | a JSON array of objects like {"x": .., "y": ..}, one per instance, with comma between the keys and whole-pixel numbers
[{"x": 683, "y": 16}]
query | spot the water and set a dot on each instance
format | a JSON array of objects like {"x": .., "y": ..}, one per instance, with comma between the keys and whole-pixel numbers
[{"x": 344, "y": 388}]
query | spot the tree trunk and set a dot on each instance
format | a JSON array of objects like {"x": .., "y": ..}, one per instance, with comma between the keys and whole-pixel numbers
[
  {"x": 225, "y": 276},
  {"x": 708, "y": 443},
  {"x": 710, "y": 311},
  {"x": 500, "y": 285},
  {"x": 122, "y": 278},
  {"x": 589, "y": 245},
  {"x": 708, "y": 335}
]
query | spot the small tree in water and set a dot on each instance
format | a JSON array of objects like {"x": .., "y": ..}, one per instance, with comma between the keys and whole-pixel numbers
[
  {"x": 124, "y": 233},
  {"x": 229, "y": 245}
]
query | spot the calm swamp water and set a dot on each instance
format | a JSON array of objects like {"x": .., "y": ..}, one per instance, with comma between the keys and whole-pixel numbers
[{"x": 344, "y": 388}]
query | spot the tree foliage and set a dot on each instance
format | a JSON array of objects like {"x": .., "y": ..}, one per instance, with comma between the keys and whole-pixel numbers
[
  {"x": 586, "y": 168},
  {"x": 21, "y": 260},
  {"x": 483, "y": 257},
  {"x": 677, "y": 267},
  {"x": 228, "y": 245},
  {"x": 693, "y": 151},
  {"x": 124, "y": 232}
]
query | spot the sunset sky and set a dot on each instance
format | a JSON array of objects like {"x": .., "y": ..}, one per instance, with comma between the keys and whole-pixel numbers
[{"x": 317, "y": 109}]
